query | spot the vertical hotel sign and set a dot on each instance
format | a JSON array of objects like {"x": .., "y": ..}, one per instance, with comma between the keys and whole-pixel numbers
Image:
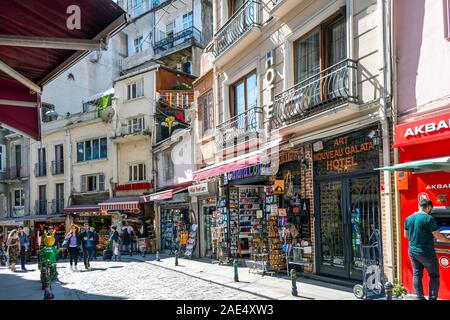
[{"x": 349, "y": 153}]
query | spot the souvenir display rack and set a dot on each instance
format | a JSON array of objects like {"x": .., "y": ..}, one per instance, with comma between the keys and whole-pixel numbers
[
  {"x": 222, "y": 231},
  {"x": 234, "y": 230},
  {"x": 249, "y": 204}
]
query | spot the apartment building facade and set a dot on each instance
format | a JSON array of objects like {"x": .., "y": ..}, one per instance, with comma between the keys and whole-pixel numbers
[
  {"x": 301, "y": 101},
  {"x": 14, "y": 183}
]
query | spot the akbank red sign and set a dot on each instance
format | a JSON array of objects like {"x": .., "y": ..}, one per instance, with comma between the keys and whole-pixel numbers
[{"x": 426, "y": 130}]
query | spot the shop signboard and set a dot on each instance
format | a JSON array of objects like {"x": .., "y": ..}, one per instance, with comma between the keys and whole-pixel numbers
[
  {"x": 249, "y": 172},
  {"x": 199, "y": 189},
  {"x": 426, "y": 130},
  {"x": 349, "y": 153}
]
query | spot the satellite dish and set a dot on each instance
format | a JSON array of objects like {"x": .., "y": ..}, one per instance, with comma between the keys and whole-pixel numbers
[{"x": 108, "y": 114}]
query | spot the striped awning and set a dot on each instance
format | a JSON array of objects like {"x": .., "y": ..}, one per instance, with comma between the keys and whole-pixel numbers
[{"x": 122, "y": 204}]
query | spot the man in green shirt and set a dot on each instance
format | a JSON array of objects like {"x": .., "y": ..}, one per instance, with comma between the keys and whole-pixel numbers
[{"x": 421, "y": 229}]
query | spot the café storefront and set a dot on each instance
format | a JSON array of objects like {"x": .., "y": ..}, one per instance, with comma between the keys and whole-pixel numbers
[{"x": 346, "y": 200}]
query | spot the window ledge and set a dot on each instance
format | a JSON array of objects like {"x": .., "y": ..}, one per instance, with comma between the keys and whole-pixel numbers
[
  {"x": 90, "y": 161},
  {"x": 135, "y": 99}
]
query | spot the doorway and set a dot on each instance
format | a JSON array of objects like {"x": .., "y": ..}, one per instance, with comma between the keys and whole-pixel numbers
[{"x": 348, "y": 212}]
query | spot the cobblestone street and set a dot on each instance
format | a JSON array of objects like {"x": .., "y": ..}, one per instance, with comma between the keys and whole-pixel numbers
[{"x": 136, "y": 281}]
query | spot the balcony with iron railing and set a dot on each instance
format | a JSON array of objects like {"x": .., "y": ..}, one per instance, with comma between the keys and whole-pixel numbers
[
  {"x": 133, "y": 132},
  {"x": 40, "y": 169},
  {"x": 58, "y": 206},
  {"x": 279, "y": 8},
  {"x": 57, "y": 167},
  {"x": 241, "y": 128},
  {"x": 247, "y": 20},
  {"x": 331, "y": 87},
  {"x": 15, "y": 173},
  {"x": 40, "y": 207},
  {"x": 181, "y": 99},
  {"x": 177, "y": 39}
]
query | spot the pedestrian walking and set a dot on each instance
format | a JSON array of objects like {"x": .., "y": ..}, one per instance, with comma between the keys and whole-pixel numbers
[
  {"x": 96, "y": 238},
  {"x": 421, "y": 229},
  {"x": 13, "y": 245},
  {"x": 127, "y": 238},
  {"x": 73, "y": 245},
  {"x": 87, "y": 242},
  {"x": 24, "y": 245},
  {"x": 114, "y": 240}
]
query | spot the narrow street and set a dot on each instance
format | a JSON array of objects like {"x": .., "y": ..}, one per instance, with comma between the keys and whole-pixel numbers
[{"x": 115, "y": 280}]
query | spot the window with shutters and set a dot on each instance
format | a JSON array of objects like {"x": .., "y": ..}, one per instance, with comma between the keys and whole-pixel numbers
[
  {"x": 137, "y": 172},
  {"x": 93, "y": 183},
  {"x": 92, "y": 150}
]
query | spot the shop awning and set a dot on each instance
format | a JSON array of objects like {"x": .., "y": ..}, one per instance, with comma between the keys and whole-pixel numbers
[
  {"x": 421, "y": 166},
  {"x": 243, "y": 161},
  {"x": 167, "y": 192},
  {"x": 41, "y": 39},
  {"x": 43, "y": 217},
  {"x": 77, "y": 208},
  {"x": 122, "y": 203}
]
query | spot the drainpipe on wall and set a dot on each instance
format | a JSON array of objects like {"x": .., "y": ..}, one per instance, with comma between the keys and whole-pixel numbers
[
  {"x": 384, "y": 22},
  {"x": 398, "y": 235},
  {"x": 69, "y": 179}
]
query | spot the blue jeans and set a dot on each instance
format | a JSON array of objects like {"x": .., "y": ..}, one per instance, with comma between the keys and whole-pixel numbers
[
  {"x": 87, "y": 254},
  {"x": 429, "y": 262}
]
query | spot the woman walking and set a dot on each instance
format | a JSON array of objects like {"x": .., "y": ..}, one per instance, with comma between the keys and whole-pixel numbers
[
  {"x": 73, "y": 245},
  {"x": 114, "y": 239},
  {"x": 13, "y": 249}
]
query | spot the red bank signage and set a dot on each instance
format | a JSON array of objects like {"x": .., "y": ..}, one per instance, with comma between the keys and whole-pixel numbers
[{"x": 426, "y": 130}]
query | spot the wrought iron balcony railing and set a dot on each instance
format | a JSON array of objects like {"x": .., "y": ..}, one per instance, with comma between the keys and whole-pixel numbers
[
  {"x": 40, "y": 207},
  {"x": 333, "y": 86},
  {"x": 248, "y": 124},
  {"x": 40, "y": 169},
  {"x": 58, "y": 167},
  {"x": 57, "y": 206},
  {"x": 177, "y": 38},
  {"x": 181, "y": 99},
  {"x": 243, "y": 20},
  {"x": 15, "y": 173}
]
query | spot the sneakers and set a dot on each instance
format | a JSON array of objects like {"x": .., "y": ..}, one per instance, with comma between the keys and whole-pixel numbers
[
  {"x": 71, "y": 268},
  {"x": 76, "y": 268}
]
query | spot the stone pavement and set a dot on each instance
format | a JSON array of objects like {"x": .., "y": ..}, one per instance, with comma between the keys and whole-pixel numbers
[
  {"x": 25, "y": 285},
  {"x": 269, "y": 287}
]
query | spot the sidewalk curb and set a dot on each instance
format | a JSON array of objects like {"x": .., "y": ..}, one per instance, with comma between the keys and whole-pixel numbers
[{"x": 207, "y": 280}]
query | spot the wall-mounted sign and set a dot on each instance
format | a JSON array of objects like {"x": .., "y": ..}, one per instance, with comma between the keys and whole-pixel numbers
[
  {"x": 198, "y": 189},
  {"x": 288, "y": 156},
  {"x": 349, "y": 153},
  {"x": 248, "y": 172},
  {"x": 269, "y": 77},
  {"x": 427, "y": 130}
]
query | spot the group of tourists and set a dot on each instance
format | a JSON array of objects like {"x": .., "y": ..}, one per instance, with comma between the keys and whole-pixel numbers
[{"x": 17, "y": 245}]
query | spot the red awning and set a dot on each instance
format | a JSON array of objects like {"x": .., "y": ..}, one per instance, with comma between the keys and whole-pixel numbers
[
  {"x": 237, "y": 163},
  {"x": 36, "y": 45},
  {"x": 122, "y": 204},
  {"x": 167, "y": 192}
]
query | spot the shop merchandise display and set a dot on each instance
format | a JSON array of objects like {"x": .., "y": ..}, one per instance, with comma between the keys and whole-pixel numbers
[
  {"x": 191, "y": 241},
  {"x": 234, "y": 218},
  {"x": 221, "y": 233},
  {"x": 249, "y": 204},
  {"x": 277, "y": 259}
]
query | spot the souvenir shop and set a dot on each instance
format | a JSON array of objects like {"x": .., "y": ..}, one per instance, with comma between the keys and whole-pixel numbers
[
  {"x": 204, "y": 197},
  {"x": 264, "y": 217},
  {"x": 347, "y": 200},
  {"x": 178, "y": 225}
]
